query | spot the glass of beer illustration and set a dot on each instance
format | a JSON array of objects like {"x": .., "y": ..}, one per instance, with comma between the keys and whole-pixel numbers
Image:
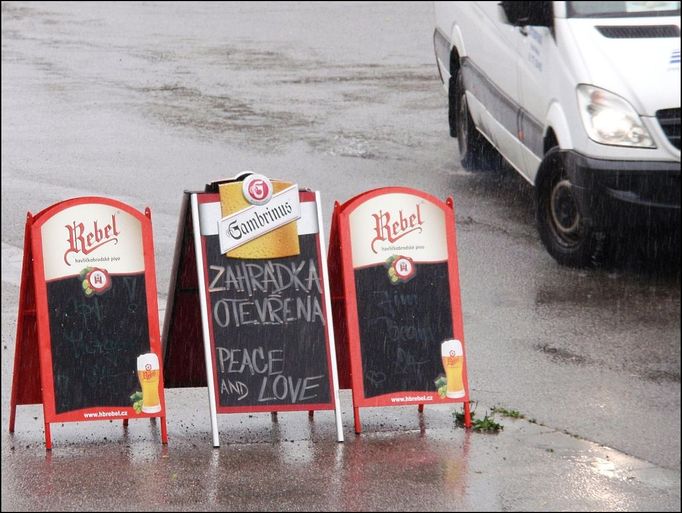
[
  {"x": 148, "y": 374},
  {"x": 453, "y": 359}
]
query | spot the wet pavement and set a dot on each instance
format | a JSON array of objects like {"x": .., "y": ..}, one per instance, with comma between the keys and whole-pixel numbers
[
  {"x": 403, "y": 461},
  {"x": 142, "y": 101}
]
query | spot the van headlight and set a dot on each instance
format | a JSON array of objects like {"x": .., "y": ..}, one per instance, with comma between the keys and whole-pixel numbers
[{"x": 610, "y": 119}]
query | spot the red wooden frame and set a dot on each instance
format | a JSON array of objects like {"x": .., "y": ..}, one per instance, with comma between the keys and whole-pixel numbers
[
  {"x": 304, "y": 196},
  {"x": 341, "y": 259},
  {"x": 33, "y": 301}
]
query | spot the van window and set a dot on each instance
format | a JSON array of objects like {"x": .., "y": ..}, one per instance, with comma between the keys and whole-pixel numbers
[{"x": 621, "y": 9}]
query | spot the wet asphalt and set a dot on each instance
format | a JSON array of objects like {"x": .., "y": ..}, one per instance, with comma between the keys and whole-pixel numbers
[{"x": 142, "y": 101}]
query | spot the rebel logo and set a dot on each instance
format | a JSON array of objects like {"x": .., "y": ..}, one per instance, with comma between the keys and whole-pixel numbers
[
  {"x": 85, "y": 241},
  {"x": 391, "y": 228},
  {"x": 401, "y": 269},
  {"x": 404, "y": 268},
  {"x": 95, "y": 281},
  {"x": 257, "y": 189}
]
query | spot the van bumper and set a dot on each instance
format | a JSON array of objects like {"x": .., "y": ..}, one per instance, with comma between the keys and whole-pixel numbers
[{"x": 637, "y": 191}]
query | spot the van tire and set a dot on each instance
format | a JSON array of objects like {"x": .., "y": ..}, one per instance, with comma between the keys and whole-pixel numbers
[
  {"x": 475, "y": 152},
  {"x": 452, "y": 106},
  {"x": 568, "y": 236}
]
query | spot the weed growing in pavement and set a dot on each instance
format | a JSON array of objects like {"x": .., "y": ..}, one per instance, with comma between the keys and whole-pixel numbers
[
  {"x": 514, "y": 414},
  {"x": 485, "y": 425}
]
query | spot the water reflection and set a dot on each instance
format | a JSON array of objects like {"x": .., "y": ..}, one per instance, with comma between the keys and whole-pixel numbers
[{"x": 382, "y": 467}]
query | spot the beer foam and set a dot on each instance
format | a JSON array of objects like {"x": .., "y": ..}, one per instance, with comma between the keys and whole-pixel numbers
[
  {"x": 147, "y": 359},
  {"x": 449, "y": 346}
]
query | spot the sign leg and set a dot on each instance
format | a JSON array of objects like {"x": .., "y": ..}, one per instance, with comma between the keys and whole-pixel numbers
[
  {"x": 198, "y": 252},
  {"x": 420, "y": 408},
  {"x": 330, "y": 316},
  {"x": 311, "y": 414},
  {"x": 15, "y": 377},
  {"x": 12, "y": 415},
  {"x": 467, "y": 414},
  {"x": 356, "y": 416},
  {"x": 164, "y": 431},
  {"x": 23, "y": 307},
  {"x": 125, "y": 422},
  {"x": 273, "y": 416},
  {"x": 48, "y": 437}
]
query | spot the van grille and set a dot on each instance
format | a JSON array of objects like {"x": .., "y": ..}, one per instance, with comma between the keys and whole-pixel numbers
[
  {"x": 638, "y": 31},
  {"x": 670, "y": 123}
]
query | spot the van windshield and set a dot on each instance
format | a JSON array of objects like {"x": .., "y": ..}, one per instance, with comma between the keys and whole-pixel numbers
[{"x": 621, "y": 9}]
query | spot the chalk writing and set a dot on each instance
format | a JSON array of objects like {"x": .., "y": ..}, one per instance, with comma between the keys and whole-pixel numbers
[
  {"x": 269, "y": 310},
  {"x": 267, "y": 364},
  {"x": 400, "y": 332},
  {"x": 268, "y": 319},
  {"x": 256, "y": 361},
  {"x": 294, "y": 390},
  {"x": 401, "y": 327},
  {"x": 265, "y": 277}
]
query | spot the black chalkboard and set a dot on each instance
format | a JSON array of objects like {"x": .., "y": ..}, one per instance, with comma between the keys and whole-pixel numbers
[
  {"x": 96, "y": 340},
  {"x": 402, "y": 327},
  {"x": 268, "y": 328}
]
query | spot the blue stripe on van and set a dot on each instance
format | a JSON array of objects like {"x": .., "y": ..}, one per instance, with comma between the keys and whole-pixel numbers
[{"x": 505, "y": 110}]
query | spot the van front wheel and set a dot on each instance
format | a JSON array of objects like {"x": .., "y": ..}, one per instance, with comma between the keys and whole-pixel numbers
[{"x": 570, "y": 238}]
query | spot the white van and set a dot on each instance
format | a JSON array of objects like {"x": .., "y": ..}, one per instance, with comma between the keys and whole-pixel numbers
[{"x": 581, "y": 98}]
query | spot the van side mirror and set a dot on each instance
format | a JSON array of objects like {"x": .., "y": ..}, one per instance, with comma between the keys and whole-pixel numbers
[{"x": 520, "y": 14}]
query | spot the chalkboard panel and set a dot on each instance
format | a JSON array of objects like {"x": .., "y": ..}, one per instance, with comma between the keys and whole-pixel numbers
[
  {"x": 268, "y": 328},
  {"x": 402, "y": 327},
  {"x": 96, "y": 341}
]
